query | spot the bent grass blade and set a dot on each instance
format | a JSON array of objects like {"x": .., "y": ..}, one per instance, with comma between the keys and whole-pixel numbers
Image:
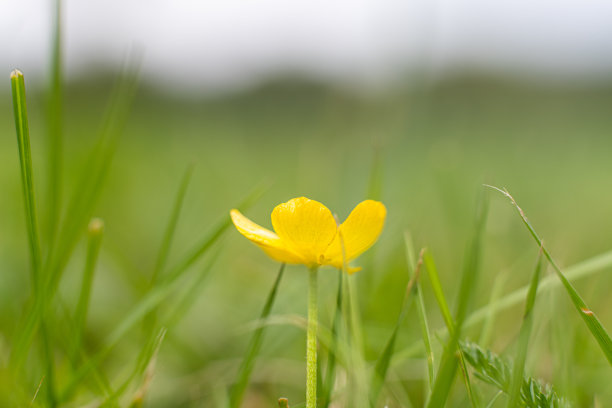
[{"x": 586, "y": 313}]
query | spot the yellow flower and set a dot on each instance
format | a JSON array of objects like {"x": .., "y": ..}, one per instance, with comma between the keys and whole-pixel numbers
[{"x": 307, "y": 233}]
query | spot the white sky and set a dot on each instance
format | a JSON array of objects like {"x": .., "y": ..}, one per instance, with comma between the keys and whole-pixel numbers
[{"x": 226, "y": 44}]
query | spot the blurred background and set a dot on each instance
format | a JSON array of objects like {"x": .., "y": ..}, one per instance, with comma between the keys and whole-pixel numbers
[{"x": 415, "y": 103}]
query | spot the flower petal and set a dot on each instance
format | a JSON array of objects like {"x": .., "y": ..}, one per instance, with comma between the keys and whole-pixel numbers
[
  {"x": 359, "y": 232},
  {"x": 306, "y": 227},
  {"x": 264, "y": 238}
]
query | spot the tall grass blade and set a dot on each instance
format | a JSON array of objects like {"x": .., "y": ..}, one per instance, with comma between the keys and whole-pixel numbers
[
  {"x": 95, "y": 231},
  {"x": 27, "y": 177},
  {"x": 413, "y": 266},
  {"x": 81, "y": 205},
  {"x": 434, "y": 279},
  {"x": 153, "y": 298},
  {"x": 54, "y": 129},
  {"x": 169, "y": 237},
  {"x": 469, "y": 277},
  {"x": 588, "y": 316},
  {"x": 330, "y": 372},
  {"x": 78, "y": 212},
  {"x": 171, "y": 227},
  {"x": 248, "y": 363},
  {"x": 27, "y": 181},
  {"x": 382, "y": 365},
  {"x": 186, "y": 300},
  {"x": 523, "y": 342},
  {"x": 198, "y": 250}
]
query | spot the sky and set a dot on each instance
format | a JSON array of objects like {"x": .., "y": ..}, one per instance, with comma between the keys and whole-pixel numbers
[{"x": 226, "y": 45}]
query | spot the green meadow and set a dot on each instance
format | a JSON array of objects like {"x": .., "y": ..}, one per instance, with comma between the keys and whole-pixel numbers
[{"x": 161, "y": 306}]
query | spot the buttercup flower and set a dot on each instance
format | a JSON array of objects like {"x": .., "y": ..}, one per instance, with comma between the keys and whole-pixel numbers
[{"x": 307, "y": 233}]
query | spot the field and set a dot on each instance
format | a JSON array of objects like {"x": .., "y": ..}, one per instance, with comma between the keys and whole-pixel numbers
[{"x": 425, "y": 152}]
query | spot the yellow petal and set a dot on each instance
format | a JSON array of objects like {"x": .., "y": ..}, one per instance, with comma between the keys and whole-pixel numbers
[
  {"x": 359, "y": 232},
  {"x": 306, "y": 227},
  {"x": 264, "y": 238}
]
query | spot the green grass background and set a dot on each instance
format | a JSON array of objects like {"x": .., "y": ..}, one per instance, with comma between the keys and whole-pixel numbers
[{"x": 429, "y": 151}]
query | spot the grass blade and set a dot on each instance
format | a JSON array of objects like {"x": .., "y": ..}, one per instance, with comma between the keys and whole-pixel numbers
[
  {"x": 168, "y": 238},
  {"x": 525, "y": 333},
  {"x": 192, "y": 256},
  {"x": 27, "y": 177},
  {"x": 449, "y": 363},
  {"x": 81, "y": 205},
  {"x": 27, "y": 181},
  {"x": 171, "y": 227},
  {"x": 78, "y": 213},
  {"x": 248, "y": 363},
  {"x": 588, "y": 316},
  {"x": 434, "y": 279},
  {"x": 382, "y": 365},
  {"x": 330, "y": 373},
  {"x": 575, "y": 272},
  {"x": 54, "y": 129},
  {"x": 95, "y": 233},
  {"x": 414, "y": 265},
  {"x": 153, "y": 298},
  {"x": 145, "y": 365}
]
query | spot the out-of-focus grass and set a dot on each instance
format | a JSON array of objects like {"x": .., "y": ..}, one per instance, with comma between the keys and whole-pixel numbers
[{"x": 434, "y": 149}]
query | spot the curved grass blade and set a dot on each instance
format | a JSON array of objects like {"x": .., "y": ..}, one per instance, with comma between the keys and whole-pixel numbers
[
  {"x": 248, "y": 363},
  {"x": 588, "y": 316},
  {"x": 525, "y": 333},
  {"x": 575, "y": 272}
]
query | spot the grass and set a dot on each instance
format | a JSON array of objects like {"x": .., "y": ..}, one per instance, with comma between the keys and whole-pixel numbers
[{"x": 151, "y": 309}]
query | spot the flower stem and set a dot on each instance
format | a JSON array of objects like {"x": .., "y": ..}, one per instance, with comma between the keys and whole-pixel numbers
[{"x": 311, "y": 341}]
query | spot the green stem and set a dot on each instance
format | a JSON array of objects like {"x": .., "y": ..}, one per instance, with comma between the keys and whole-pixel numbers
[{"x": 311, "y": 341}]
